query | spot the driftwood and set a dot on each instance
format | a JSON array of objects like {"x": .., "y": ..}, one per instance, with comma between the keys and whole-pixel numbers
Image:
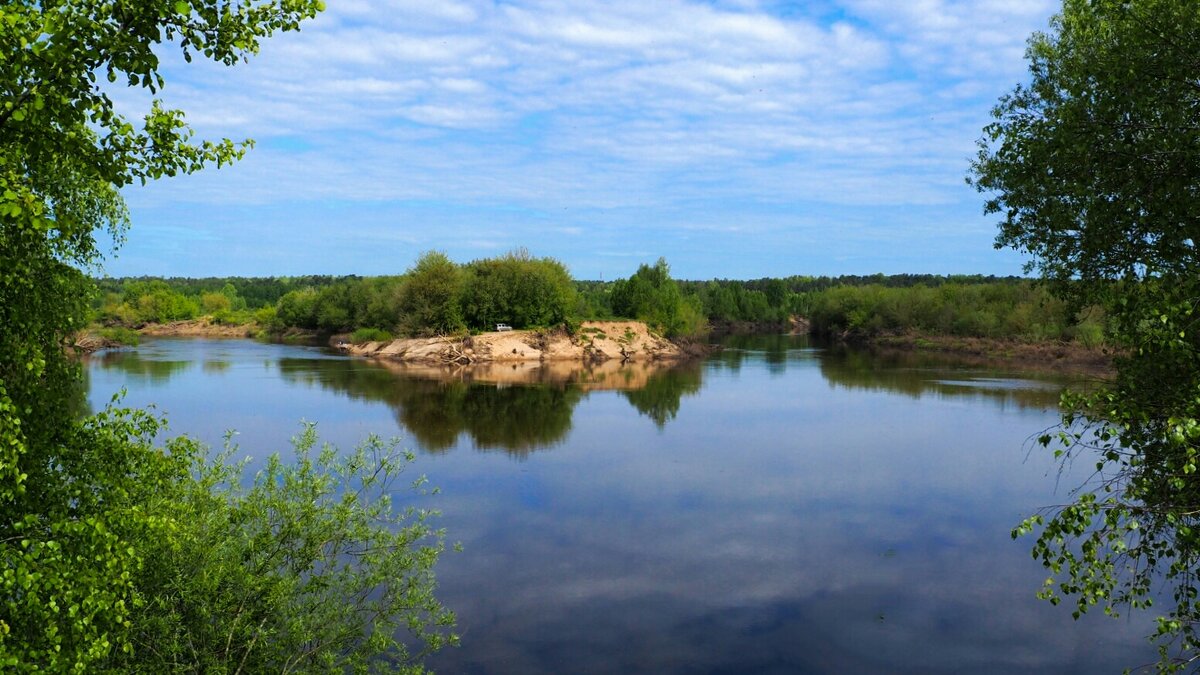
[{"x": 454, "y": 355}]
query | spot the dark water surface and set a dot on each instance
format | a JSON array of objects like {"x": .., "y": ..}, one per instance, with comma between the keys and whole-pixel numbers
[{"x": 776, "y": 508}]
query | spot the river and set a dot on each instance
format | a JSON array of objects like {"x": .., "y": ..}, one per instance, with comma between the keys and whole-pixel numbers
[{"x": 778, "y": 507}]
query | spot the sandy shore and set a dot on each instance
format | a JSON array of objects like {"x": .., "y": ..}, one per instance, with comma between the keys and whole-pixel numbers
[
  {"x": 595, "y": 341},
  {"x": 199, "y": 328}
]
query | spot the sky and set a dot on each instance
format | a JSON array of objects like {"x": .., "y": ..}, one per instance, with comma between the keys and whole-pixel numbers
[{"x": 737, "y": 139}]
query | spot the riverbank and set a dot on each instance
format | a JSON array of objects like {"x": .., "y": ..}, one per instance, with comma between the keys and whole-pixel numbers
[
  {"x": 598, "y": 341},
  {"x": 96, "y": 338},
  {"x": 1045, "y": 355},
  {"x": 595, "y": 341},
  {"x": 1048, "y": 355},
  {"x": 202, "y": 327}
]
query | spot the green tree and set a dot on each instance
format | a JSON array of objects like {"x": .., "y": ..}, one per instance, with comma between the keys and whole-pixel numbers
[
  {"x": 298, "y": 308},
  {"x": 429, "y": 296},
  {"x": 1094, "y": 167},
  {"x": 211, "y": 303},
  {"x": 651, "y": 295},
  {"x": 90, "y": 539},
  {"x": 517, "y": 289}
]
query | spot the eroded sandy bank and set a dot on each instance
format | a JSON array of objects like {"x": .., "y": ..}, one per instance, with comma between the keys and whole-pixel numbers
[{"x": 595, "y": 341}]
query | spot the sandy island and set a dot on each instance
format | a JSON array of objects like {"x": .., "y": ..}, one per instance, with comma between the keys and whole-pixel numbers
[{"x": 595, "y": 341}]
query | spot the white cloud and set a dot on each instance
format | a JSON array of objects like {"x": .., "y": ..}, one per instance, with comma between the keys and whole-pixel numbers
[{"x": 623, "y": 104}]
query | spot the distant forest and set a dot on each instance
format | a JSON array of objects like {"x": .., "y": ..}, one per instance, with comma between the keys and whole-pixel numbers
[{"x": 438, "y": 296}]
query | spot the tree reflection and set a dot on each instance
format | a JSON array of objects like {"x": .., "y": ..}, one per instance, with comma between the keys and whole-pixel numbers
[
  {"x": 215, "y": 367},
  {"x": 140, "y": 367},
  {"x": 915, "y": 374},
  {"x": 660, "y": 397},
  {"x": 518, "y": 408},
  {"x": 518, "y": 419},
  {"x": 773, "y": 350}
]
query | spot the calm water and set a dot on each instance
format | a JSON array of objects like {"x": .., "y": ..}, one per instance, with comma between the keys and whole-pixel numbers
[{"x": 776, "y": 508}]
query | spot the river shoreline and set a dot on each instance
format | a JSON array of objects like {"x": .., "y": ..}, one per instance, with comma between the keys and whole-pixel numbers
[
  {"x": 598, "y": 341},
  {"x": 593, "y": 342},
  {"x": 1050, "y": 356}
]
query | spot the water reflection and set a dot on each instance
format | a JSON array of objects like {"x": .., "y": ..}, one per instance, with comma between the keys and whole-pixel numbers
[
  {"x": 215, "y": 367},
  {"x": 794, "y": 515},
  {"x": 660, "y": 396},
  {"x": 517, "y": 408},
  {"x": 140, "y": 367},
  {"x": 518, "y": 419},
  {"x": 914, "y": 374},
  {"x": 522, "y": 407},
  {"x": 774, "y": 352}
]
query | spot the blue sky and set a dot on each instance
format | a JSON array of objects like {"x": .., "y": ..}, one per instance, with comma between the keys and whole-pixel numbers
[{"x": 737, "y": 139}]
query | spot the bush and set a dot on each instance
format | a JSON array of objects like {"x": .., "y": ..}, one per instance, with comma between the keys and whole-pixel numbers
[
  {"x": 308, "y": 566},
  {"x": 228, "y": 317},
  {"x": 213, "y": 303},
  {"x": 365, "y": 335},
  {"x": 120, "y": 335},
  {"x": 298, "y": 309},
  {"x": 266, "y": 317},
  {"x": 997, "y": 310}
]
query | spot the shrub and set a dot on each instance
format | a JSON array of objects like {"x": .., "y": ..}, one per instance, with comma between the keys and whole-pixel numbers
[
  {"x": 266, "y": 317},
  {"x": 365, "y": 335},
  {"x": 213, "y": 303}
]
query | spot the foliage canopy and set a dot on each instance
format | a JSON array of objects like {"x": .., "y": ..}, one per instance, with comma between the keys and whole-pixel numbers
[
  {"x": 517, "y": 289},
  {"x": 117, "y": 555},
  {"x": 429, "y": 297},
  {"x": 651, "y": 295},
  {"x": 1094, "y": 167}
]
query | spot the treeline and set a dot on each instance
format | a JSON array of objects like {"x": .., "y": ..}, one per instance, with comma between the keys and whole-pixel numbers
[
  {"x": 775, "y": 300},
  {"x": 1019, "y": 309},
  {"x": 135, "y": 301},
  {"x": 438, "y": 296}
]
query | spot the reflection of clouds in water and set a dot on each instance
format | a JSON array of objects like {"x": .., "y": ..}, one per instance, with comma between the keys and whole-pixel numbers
[
  {"x": 656, "y": 603},
  {"x": 770, "y": 528},
  {"x": 810, "y": 521}
]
